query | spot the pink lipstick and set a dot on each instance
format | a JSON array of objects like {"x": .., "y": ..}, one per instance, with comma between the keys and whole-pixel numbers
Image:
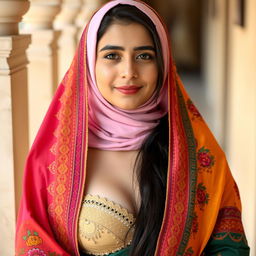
[{"x": 128, "y": 89}]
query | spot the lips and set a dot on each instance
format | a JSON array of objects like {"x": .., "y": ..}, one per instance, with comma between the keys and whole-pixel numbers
[{"x": 128, "y": 89}]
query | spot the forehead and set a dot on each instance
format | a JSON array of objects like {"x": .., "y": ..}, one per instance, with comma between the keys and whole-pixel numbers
[{"x": 127, "y": 35}]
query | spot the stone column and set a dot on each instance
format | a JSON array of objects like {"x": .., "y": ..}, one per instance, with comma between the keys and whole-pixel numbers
[
  {"x": 67, "y": 43},
  {"x": 13, "y": 116},
  {"x": 88, "y": 8},
  {"x": 42, "y": 54}
]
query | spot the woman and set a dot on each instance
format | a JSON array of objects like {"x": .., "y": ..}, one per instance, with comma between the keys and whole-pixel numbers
[{"x": 123, "y": 163}]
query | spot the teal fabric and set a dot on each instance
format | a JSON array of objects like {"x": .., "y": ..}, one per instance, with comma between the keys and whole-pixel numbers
[
  {"x": 227, "y": 247},
  {"x": 123, "y": 252}
]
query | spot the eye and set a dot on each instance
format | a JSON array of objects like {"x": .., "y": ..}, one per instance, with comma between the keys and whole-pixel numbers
[
  {"x": 112, "y": 56},
  {"x": 145, "y": 56}
]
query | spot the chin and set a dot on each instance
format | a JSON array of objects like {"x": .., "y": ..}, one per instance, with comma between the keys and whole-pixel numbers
[{"x": 126, "y": 106}]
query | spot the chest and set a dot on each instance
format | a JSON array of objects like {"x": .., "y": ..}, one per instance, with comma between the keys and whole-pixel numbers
[{"x": 111, "y": 175}]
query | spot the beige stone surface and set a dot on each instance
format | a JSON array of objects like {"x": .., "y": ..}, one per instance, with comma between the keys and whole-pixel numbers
[
  {"x": 7, "y": 191},
  {"x": 42, "y": 54},
  {"x": 88, "y": 8},
  {"x": 42, "y": 76},
  {"x": 229, "y": 71},
  {"x": 13, "y": 132},
  {"x": 67, "y": 42},
  {"x": 10, "y": 14},
  {"x": 214, "y": 65},
  {"x": 41, "y": 14},
  {"x": 67, "y": 15},
  {"x": 241, "y": 97}
]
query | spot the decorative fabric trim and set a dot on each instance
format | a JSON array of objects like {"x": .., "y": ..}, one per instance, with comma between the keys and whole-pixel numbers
[
  {"x": 229, "y": 224},
  {"x": 180, "y": 196},
  {"x": 192, "y": 169},
  {"x": 104, "y": 226}
]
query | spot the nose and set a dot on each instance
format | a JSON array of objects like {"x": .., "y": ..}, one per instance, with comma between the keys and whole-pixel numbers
[{"x": 128, "y": 69}]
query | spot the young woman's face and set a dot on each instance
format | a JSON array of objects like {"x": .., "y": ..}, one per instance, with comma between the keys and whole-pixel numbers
[{"x": 126, "y": 69}]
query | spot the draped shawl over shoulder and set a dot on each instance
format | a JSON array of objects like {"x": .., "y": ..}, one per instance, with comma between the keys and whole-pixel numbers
[{"x": 202, "y": 211}]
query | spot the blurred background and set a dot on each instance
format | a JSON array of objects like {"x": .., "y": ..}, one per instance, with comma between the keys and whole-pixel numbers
[{"x": 213, "y": 44}]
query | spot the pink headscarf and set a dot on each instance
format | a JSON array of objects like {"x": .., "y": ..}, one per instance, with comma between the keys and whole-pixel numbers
[{"x": 111, "y": 128}]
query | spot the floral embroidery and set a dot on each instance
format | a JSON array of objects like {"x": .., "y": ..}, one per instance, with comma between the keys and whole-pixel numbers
[
  {"x": 195, "y": 224},
  {"x": 32, "y": 239},
  {"x": 193, "y": 110},
  {"x": 205, "y": 159},
  {"x": 189, "y": 252},
  {"x": 202, "y": 196},
  {"x": 36, "y": 252}
]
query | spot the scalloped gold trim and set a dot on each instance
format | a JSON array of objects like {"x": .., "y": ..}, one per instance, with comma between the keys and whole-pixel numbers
[
  {"x": 104, "y": 226},
  {"x": 112, "y": 204}
]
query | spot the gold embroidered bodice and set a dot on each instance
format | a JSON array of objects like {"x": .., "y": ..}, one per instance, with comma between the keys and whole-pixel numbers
[{"x": 104, "y": 227}]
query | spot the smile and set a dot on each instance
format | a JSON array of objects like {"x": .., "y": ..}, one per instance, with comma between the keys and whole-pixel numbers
[{"x": 128, "y": 89}]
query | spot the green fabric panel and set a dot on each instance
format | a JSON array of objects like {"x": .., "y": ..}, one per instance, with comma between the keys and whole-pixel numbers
[
  {"x": 123, "y": 252},
  {"x": 227, "y": 247}
]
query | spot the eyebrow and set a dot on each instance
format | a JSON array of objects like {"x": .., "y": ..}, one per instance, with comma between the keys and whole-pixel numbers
[{"x": 139, "y": 48}]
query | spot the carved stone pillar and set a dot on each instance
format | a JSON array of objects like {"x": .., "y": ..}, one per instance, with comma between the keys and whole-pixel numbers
[
  {"x": 88, "y": 8},
  {"x": 42, "y": 54},
  {"x": 10, "y": 15},
  {"x": 13, "y": 116},
  {"x": 67, "y": 43}
]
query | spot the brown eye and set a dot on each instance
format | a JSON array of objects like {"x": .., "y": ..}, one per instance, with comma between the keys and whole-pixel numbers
[
  {"x": 112, "y": 56},
  {"x": 145, "y": 56}
]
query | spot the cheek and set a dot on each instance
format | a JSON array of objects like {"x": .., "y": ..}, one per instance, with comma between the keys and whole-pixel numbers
[
  {"x": 103, "y": 76},
  {"x": 152, "y": 75}
]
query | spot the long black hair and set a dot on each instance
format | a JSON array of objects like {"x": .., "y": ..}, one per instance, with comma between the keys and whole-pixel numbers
[{"x": 152, "y": 160}]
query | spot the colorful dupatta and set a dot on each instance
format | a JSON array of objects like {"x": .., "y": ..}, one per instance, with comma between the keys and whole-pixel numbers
[{"x": 202, "y": 213}]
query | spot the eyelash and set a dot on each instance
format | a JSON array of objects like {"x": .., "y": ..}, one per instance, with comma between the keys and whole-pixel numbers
[
  {"x": 147, "y": 56},
  {"x": 112, "y": 56},
  {"x": 115, "y": 56}
]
